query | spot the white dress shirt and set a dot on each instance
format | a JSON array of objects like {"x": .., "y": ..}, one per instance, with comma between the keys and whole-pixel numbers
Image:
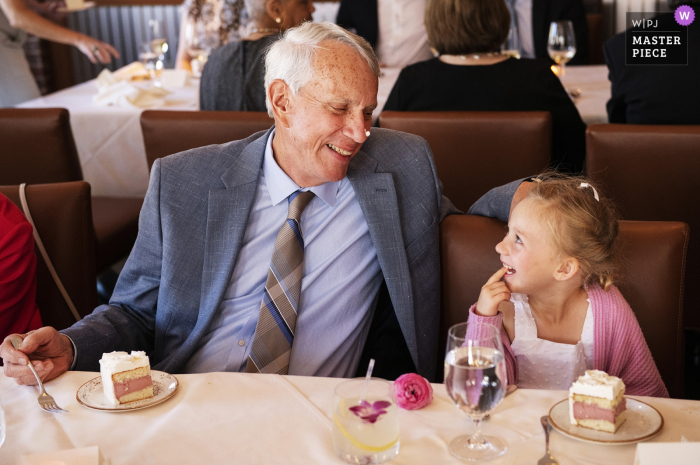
[
  {"x": 402, "y": 37},
  {"x": 340, "y": 283}
]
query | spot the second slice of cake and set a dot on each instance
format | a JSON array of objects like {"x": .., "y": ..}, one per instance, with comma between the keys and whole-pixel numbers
[
  {"x": 597, "y": 401},
  {"x": 126, "y": 378}
]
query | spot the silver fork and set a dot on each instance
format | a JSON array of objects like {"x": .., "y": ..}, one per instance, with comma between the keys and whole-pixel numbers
[
  {"x": 45, "y": 401},
  {"x": 547, "y": 459}
]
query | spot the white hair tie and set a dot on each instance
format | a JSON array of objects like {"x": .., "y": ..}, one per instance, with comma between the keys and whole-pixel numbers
[{"x": 595, "y": 192}]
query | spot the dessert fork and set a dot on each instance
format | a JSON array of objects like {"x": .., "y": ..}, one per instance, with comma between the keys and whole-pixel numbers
[
  {"x": 547, "y": 459},
  {"x": 45, "y": 401}
]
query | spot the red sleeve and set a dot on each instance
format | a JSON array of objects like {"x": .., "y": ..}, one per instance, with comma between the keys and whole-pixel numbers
[{"x": 18, "y": 310}]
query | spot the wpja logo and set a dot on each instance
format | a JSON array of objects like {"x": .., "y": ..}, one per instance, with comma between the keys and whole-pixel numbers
[{"x": 654, "y": 39}]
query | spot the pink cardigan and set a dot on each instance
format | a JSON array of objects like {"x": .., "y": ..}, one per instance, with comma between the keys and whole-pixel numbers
[{"x": 619, "y": 346}]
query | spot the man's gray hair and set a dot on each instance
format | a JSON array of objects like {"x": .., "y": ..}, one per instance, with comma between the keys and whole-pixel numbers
[{"x": 291, "y": 58}]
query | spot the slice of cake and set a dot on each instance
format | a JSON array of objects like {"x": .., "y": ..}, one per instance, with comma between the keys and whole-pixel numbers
[
  {"x": 597, "y": 401},
  {"x": 126, "y": 378}
]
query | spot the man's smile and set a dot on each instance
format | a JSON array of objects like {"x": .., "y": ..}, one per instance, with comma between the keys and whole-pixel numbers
[{"x": 339, "y": 150}]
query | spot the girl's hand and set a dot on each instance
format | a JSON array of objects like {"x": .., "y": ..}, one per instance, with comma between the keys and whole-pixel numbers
[{"x": 492, "y": 294}]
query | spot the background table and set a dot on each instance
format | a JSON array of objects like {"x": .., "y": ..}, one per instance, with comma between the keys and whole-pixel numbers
[
  {"x": 109, "y": 139},
  {"x": 269, "y": 419}
]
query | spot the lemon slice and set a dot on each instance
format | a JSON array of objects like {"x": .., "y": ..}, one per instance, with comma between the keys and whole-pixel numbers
[{"x": 358, "y": 444}]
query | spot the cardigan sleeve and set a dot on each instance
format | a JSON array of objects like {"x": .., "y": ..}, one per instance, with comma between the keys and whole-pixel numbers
[
  {"x": 497, "y": 321},
  {"x": 620, "y": 347}
]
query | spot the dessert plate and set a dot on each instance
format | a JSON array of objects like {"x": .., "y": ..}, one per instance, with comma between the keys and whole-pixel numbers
[
  {"x": 643, "y": 422},
  {"x": 91, "y": 394}
]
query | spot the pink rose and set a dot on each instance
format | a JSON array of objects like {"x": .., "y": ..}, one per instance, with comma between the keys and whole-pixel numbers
[{"x": 412, "y": 391}]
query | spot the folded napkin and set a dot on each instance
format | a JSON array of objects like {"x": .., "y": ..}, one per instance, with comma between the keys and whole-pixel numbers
[
  {"x": 122, "y": 93},
  {"x": 676, "y": 453}
]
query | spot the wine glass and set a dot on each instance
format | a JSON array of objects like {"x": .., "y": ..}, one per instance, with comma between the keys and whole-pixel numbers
[
  {"x": 561, "y": 44},
  {"x": 159, "y": 44},
  {"x": 2, "y": 426},
  {"x": 511, "y": 47},
  {"x": 476, "y": 381},
  {"x": 197, "y": 51}
]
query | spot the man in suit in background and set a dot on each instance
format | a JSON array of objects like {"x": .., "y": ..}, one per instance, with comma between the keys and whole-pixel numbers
[
  {"x": 532, "y": 19},
  {"x": 656, "y": 94},
  {"x": 313, "y": 237}
]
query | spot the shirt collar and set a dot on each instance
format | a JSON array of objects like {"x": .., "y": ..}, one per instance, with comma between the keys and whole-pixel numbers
[{"x": 280, "y": 185}]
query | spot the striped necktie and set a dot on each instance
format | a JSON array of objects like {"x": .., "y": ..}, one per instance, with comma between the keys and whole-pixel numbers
[{"x": 274, "y": 333}]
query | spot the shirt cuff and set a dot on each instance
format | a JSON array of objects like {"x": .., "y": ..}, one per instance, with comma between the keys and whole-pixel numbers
[{"x": 75, "y": 353}]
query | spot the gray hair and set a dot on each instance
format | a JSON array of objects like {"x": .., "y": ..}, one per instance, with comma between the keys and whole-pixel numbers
[
  {"x": 290, "y": 59},
  {"x": 256, "y": 9}
]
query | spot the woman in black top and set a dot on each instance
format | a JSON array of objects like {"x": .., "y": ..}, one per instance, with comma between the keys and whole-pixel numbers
[
  {"x": 233, "y": 77},
  {"x": 470, "y": 75}
]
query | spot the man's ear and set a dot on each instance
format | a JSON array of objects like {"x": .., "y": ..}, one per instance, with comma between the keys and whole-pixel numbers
[
  {"x": 280, "y": 93},
  {"x": 568, "y": 268}
]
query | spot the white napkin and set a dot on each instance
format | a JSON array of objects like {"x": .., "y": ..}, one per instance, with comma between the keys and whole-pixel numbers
[
  {"x": 676, "y": 453},
  {"x": 83, "y": 456},
  {"x": 121, "y": 93}
]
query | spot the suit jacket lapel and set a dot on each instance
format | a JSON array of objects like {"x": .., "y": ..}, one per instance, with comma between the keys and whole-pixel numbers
[
  {"x": 227, "y": 217},
  {"x": 377, "y": 196}
]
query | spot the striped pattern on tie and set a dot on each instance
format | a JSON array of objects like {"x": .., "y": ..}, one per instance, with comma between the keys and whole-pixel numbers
[{"x": 274, "y": 332}]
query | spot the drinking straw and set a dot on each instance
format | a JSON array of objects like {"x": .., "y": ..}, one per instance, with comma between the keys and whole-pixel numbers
[{"x": 367, "y": 378}]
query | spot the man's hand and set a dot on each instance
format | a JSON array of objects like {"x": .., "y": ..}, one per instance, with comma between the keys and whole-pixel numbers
[
  {"x": 492, "y": 294},
  {"x": 50, "y": 351}
]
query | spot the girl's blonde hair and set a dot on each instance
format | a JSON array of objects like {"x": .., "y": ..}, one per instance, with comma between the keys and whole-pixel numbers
[{"x": 583, "y": 224}]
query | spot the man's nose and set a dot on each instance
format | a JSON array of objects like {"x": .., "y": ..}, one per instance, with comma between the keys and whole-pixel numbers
[{"x": 356, "y": 127}]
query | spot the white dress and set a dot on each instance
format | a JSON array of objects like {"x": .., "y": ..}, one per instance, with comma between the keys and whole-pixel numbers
[{"x": 545, "y": 364}]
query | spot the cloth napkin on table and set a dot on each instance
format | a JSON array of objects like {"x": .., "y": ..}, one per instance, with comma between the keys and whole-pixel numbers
[{"x": 116, "y": 89}]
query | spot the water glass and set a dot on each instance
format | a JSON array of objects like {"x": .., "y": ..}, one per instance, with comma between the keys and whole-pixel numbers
[
  {"x": 365, "y": 421},
  {"x": 476, "y": 381},
  {"x": 2, "y": 426},
  {"x": 561, "y": 44}
]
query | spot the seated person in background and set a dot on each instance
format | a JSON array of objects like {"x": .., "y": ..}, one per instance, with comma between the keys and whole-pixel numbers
[
  {"x": 656, "y": 94},
  {"x": 532, "y": 19},
  {"x": 17, "y": 19},
  {"x": 471, "y": 75},
  {"x": 207, "y": 25},
  {"x": 233, "y": 78},
  {"x": 554, "y": 299},
  {"x": 394, "y": 28},
  {"x": 18, "y": 311},
  {"x": 222, "y": 225}
]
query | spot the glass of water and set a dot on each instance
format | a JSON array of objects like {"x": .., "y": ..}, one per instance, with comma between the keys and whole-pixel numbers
[
  {"x": 2, "y": 426},
  {"x": 365, "y": 421},
  {"x": 475, "y": 379}
]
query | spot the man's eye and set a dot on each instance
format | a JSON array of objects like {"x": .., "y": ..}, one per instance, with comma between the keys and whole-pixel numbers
[{"x": 340, "y": 109}]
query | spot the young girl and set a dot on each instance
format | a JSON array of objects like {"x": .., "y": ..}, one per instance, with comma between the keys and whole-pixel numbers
[{"x": 554, "y": 297}]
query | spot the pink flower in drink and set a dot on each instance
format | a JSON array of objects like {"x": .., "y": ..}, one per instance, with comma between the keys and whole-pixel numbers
[
  {"x": 370, "y": 412},
  {"x": 412, "y": 391}
]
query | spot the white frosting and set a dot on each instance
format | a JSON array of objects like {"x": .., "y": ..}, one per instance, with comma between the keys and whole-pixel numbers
[
  {"x": 597, "y": 383},
  {"x": 117, "y": 362}
]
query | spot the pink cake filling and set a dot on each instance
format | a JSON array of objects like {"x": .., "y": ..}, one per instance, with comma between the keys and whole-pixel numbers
[
  {"x": 583, "y": 411},
  {"x": 133, "y": 385}
]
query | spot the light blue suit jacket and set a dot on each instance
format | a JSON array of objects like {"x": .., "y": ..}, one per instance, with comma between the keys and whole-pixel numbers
[{"x": 191, "y": 228}]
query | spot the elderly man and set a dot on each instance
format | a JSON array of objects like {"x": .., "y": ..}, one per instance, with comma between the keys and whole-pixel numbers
[{"x": 287, "y": 252}]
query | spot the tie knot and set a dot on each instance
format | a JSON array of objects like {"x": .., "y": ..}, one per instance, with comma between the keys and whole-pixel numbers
[{"x": 297, "y": 203}]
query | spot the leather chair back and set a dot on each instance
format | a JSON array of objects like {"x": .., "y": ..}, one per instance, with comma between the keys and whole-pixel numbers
[
  {"x": 37, "y": 146},
  {"x": 652, "y": 173},
  {"x": 476, "y": 151},
  {"x": 652, "y": 281},
  {"x": 63, "y": 218},
  {"x": 169, "y": 132}
]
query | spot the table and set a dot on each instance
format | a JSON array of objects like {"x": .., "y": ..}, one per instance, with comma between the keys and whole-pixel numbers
[
  {"x": 109, "y": 139},
  {"x": 592, "y": 80},
  {"x": 244, "y": 418}
]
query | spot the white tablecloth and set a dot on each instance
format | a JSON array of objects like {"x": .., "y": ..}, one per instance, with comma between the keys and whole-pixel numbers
[
  {"x": 109, "y": 139},
  {"x": 268, "y": 419},
  {"x": 592, "y": 80}
]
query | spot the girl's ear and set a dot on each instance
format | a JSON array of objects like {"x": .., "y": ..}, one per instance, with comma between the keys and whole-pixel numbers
[{"x": 568, "y": 268}]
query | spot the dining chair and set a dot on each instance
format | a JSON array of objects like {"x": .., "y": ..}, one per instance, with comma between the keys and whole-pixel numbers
[
  {"x": 476, "y": 151},
  {"x": 652, "y": 173},
  {"x": 63, "y": 217},
  {"x": 169, "y": 132},
  {"x": 38, "y": 147},
  {"x": 652, "y": 281}
]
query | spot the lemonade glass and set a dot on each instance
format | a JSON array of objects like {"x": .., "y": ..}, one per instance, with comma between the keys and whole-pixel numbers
[{"x": 365, "y": 421}]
